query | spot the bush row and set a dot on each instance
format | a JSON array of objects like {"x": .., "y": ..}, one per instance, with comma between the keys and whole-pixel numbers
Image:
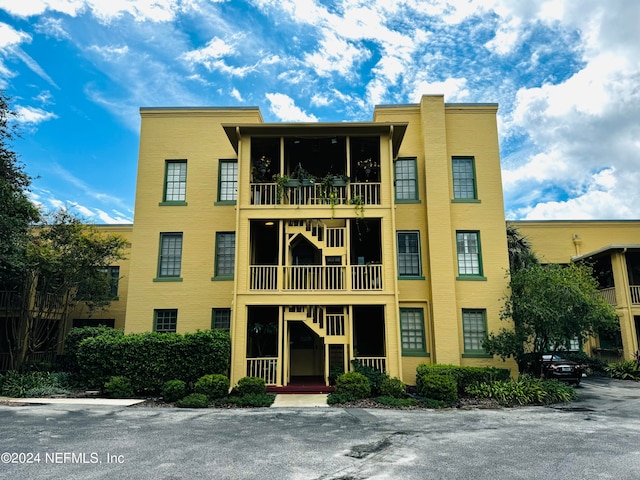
[
  {"x": 149, "y": 360},
  {"x": 525, "y": 390},
  {"x": 34, "y": 384},
  {"x": 463, "y": 376}
]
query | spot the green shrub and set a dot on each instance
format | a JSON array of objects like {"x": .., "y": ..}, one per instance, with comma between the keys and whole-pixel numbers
[
  {"x": 338, "y": 398},
  {"x": 119, "y": 387},
  {"x": 393, "y": 387},
  {"x": 150, "y": 359},
  {"x": 75, "y": 337},
  {"x": 251, "y": 385},
  {"x": 213, "y": 386},
  {"x": 334, "y": 372},
  {"x": 375, "y": 377},
  {"x": 173, "y": 390},
  {"x": 465, "y": 376},
  {"x": 353, "y": 385},
  {"x": 194, "y": 400},
  {"x": 249, "y": 400},
  {"x": 437, "y": 387},
  {"x": 525, "y": 390},
  {"x": 33, "y": 384},
  {"x": 397, "y": 402},
  {"x": 627, "y": 370}
]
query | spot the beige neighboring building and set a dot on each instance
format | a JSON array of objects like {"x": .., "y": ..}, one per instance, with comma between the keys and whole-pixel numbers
[
  {"x": 613, "y": 248},
  {"x": 319, "y": 243}
]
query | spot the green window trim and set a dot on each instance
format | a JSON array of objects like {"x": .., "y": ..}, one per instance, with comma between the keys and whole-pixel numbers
[
  {"x": 412, "y": 332},
  {"x": 221, "y": 319},
  {"x": 170, "y": 257},
  {"x": 405, "y": 180},
  {"x": 474, "y": 331},
  {"x": 165, "y": 320},
  {"x": 175, "y": 203},
  {"x": 465, "y": 200},
  {"x": 463, "y": 173},
  {"x": 227, "y": 182},
  {"x": 469, "y": 255},
  {"x": 409, "y": 255},
  {"x": 175, "y": 182},
  {"x": 225, "y": 252},
  {"x": 472, "y": 278}
]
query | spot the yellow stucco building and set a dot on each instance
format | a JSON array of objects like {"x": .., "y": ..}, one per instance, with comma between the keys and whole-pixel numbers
[
  {"x": 612, "y": 247},
  {"x": 319, "y": 243}
]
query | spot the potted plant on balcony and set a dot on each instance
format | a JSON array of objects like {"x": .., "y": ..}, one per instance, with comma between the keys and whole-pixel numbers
[
  {"x": 340, "y": 180},
  {"x": 304, "y": 176},
  {"x": 282, "y": 181},
  {"x": 367, "y": 167},
  {"x": 261, "y": 168}
]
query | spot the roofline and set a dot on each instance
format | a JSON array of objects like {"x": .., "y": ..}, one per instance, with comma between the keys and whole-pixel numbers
[
  {"x": 415, "y": 105},
  {"x": 217, "y": 108},
  {"x": 622, "y": 220},
  {"x": 615, "y": 246}
]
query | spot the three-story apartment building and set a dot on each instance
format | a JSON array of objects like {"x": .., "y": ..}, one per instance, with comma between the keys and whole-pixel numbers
[{"x": 319, "y": 243}]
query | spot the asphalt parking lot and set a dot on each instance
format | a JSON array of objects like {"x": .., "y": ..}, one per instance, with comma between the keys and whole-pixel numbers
[{"x": 596, "y": 437}]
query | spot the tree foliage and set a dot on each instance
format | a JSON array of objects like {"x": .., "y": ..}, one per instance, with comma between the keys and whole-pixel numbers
[
  {"x": 17, "y": 213},
  {"x": 521, "y": 254},
  {"x": 549, "y": 305}
]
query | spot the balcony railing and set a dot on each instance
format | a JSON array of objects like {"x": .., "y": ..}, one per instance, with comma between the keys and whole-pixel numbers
[
  {"x": 315, "y": 194},
  {"x": 635, "y": 294},
  {"x": 316, "y": 277},
  {"x": 334, "y": 324},
  {"x": 265, "y": 368},
  {"x": 609, "y": 295},
  {"x": 377, "y": 363}
]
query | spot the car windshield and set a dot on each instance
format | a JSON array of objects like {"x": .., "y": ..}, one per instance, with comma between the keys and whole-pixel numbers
[{"x": 551, "y": 358}]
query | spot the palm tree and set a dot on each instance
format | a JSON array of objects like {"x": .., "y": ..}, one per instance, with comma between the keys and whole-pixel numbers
[{"x": 521, "y": 254}]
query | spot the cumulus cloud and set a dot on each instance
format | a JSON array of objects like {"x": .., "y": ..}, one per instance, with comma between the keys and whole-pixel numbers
[
  {"x": 283, "y": 107},
  {"x": 32, "y": 115}
]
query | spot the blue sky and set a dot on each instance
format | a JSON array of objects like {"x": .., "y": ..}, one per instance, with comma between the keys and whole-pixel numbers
[{"x": 566, "y": 75}]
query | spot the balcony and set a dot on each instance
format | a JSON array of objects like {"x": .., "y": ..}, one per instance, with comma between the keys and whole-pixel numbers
[
  {"x": 316, "y": 277},
  {"x": 609, "y": 295},
  {"x": 270, "y": 194}
]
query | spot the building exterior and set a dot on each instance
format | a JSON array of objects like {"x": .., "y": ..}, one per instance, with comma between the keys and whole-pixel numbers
[
  {"x": 613, "y": 249},
  {"x": 319, "y": 243}
]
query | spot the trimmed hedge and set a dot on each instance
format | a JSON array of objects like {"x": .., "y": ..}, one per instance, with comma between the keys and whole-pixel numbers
[
  {"x": 353, "y": 385},
  {"x": 465, "y": 376},
  {"x": 174, "y": 390},
  {"x": 75, "y": 337},
  {"x": 437, "y": 387},
  {"x": 251, "y": 386},
  {"x": 213, "y": 386},
  {"x": 119, "y": 387},
  {"x": 151, "y": 359}
]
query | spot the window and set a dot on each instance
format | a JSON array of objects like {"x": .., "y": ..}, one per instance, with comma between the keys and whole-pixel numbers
[
  {"x": 405, "y": 179},
  {"x": 464, "y": 179},
  {"x": 165, "y": 321},
  {"x": 228, "y": 183},
  {"x": 474, "y": 327},
  {"x": 220, "y": 319},
  {"x": 468, "y": 244},
  {"x": 412, "y": 331},
  {"x": 170, "y": 255},
  {"x": 175, "y": 185},
  {"x": 409, "y": 254},
  {"x": 225, "y": 254},
  {"x": 113, "y": 274}
]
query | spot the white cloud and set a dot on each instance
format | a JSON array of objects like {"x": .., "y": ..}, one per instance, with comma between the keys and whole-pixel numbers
[
  {"x": 453, "y": 89},
  {"x": 236, "y": 94},
  {"x": 9, "y": 36},
  {"x": 336, "y": 55},
  {"x": 109, "y": 52},
  {"x": 216, "y": 48},
  {"x": 283, "y": 107},
  {"x": 52, "y": 27},
  {"x": 32, "y": 115}
]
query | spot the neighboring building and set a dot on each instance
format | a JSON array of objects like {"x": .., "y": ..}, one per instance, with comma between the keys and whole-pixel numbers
[
  {"x": 613, "y": 249},
  {"x": 389, "y": 247}
]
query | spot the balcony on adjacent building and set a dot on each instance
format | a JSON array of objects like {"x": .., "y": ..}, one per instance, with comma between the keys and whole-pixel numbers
[{"x": 317, "y": 277}]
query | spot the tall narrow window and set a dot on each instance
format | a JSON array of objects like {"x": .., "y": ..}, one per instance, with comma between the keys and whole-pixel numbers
[
  {"x": 165, "y": 321},
  {"x": 170, "y": 261},
  {"x": 464, "y": 179},
  {"x": 225, "y": 254},
  {"x": 474, "y": 327},
  {"x": 113, "y": 275},
  {"x": 406, "y": 179},
  {"x": 409, "y": 264},
  {"x": 220, "y": 319},
  {"x": 175, "y": 186},
  {"x": 228, "y": 185},
  {"x": 469, "y": 262},
  {"x": 412, "y": 331}
]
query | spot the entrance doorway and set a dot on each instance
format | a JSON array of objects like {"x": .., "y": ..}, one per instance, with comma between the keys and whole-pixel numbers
[{"x": 306, "y": 354}]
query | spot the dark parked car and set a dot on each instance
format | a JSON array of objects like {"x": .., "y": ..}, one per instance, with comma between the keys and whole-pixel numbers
[{"x": 554, "y": 366}]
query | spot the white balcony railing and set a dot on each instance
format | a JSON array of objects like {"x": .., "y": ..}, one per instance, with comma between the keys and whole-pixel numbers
[
  {"x": 263, "y": 277},
  {"x": 315, "y": 194},
  {"x": 366, "y": 277},
  {"x": 334, "y": 324},
  {"x": 314, "y": 277},
  {"x": 634, "y": 291},
  {"x": 265, "y": 368},
  {"x": 377, "y": 363}
]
